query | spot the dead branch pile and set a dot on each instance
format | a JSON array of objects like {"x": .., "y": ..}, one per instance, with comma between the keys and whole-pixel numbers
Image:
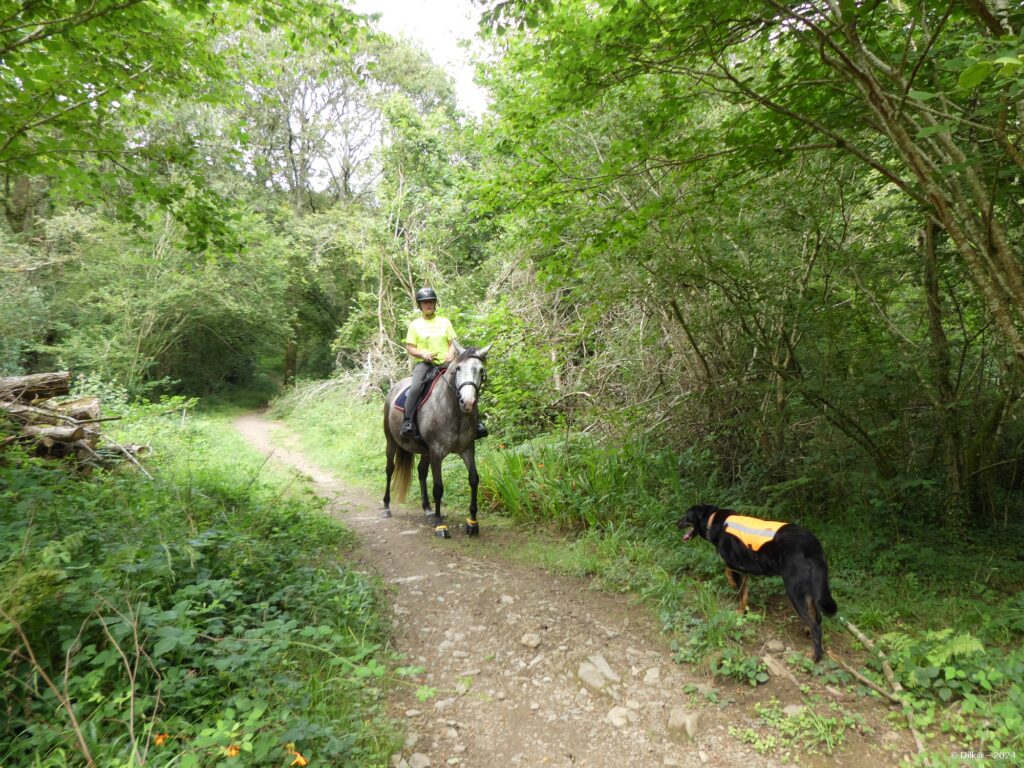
[{"x": 53, "y": 428}]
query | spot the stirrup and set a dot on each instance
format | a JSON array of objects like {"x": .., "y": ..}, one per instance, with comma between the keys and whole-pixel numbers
[
  {"x": 481, "y": 430},
  {"x": 408, "y": 430}
]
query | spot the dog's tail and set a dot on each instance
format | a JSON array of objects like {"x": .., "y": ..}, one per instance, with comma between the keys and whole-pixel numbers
[{"x": 824, "y": 600}]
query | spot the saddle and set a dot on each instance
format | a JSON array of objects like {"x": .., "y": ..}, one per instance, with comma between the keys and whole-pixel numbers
[{"x": 429, "y": 382}]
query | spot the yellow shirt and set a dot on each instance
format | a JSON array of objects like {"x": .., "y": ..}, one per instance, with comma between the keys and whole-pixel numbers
[
  {"x": 433, "y": 336},
  {"x": 752, "y": 531}
]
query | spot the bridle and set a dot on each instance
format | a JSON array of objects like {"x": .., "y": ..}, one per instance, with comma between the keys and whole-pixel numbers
[{"x": 457, "y": 388}]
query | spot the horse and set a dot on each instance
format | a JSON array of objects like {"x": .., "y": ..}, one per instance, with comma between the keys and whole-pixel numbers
[{"x": 447, "y": 424}]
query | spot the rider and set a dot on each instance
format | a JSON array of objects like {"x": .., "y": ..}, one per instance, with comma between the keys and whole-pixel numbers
[{"x": 431, "y": 340}]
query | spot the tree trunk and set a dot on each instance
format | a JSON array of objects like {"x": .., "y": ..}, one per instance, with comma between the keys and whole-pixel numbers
[
  {"x": 946, "y": 397},
  {"x": 291, "y": 358}
]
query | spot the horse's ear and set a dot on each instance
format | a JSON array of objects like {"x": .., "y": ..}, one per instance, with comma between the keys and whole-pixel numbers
[
  {"x": 459, "y": 349},
  {"x": 483, "y": 352}
]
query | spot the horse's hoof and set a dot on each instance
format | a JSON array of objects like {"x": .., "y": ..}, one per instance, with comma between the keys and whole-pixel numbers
[
  {"x": 442, "y": 532},
  {"x": 472, "y": 528},
  {"x": 386, "y": 513}
]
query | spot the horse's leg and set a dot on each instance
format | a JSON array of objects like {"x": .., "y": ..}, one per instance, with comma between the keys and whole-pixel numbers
[
  {"x": 440, "y": 529},
  {"x": 423, "y": 469},
  {"x": 391, "y": 451},
  {"x": 469, "y": 459}
]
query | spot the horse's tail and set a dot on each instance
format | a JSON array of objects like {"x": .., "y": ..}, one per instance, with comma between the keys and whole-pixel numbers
[{"x": 403, "y": 474}]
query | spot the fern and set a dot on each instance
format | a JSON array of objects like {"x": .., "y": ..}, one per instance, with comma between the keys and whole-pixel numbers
[
  {"x": 898, "y": 642},
  {"x": 952, "y": 647}
]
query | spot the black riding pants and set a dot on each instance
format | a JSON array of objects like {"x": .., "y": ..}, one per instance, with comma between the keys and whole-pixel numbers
[{"x": 419, "y": 373}]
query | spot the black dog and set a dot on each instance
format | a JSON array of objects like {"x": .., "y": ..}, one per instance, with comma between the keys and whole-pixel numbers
[{"x": 764, "y": 548}]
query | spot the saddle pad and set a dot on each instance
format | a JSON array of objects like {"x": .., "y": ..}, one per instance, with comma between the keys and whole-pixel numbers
[
  {"x": 752, "y": 531},
  {"x": 399, "y": 404}
]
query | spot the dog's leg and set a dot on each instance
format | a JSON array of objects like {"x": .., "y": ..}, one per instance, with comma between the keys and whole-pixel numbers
[
  {"x": 808, "y": 611},
  {"x": 744, "y": 593},
  {"x": 730, "y": 575},
  {"x": 812, "y": 611}
]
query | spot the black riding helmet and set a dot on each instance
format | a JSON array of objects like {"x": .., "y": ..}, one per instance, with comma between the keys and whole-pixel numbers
[{"x": 425, "y": 294}]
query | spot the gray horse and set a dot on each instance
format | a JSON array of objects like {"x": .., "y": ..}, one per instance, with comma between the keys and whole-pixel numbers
[{"x": 447, "y": 422}]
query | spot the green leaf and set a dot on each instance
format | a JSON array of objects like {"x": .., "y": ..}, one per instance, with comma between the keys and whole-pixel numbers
[
  {"x": 972, "y": 76},
  {"x": 931, "y": 130},
  {"x": 164, "y": 645},
  {"x": 921, "y": 95},
  {"x": 425, "y": 692}
]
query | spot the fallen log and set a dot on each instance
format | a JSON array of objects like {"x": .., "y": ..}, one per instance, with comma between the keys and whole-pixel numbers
[
  {"x": 57, "y": 434},
  {"x": 34, "y": 386},
  {"x": 34, "y": 414},
  {"x": 52, "y": 430},
  {"x": 29, "y": 414},
  {"x": 83, "y": 409}
]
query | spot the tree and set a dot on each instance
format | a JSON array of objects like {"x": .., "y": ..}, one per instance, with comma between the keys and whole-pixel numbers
[
  {"x": 82, "y": 118},
  {"x": 926, "y": 94},
  {"x": 739, "y": 195}
]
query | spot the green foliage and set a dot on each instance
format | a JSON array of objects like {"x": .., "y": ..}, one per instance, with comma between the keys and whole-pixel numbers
[
  {"x": 64, "y": 113},
  {"x": 957, "y": 683},
  {"x": 734, "y": 663},
  {"x": 137, "y": 308},
  {"x": 183, "y": 619},
  {"x": 806, "y": 732},
  {"x": 580, "y": 484},
  {"x": 22, "y": 307},
  {"x": 714, "y": 628},
  {"x": 742, "y": 266},
  {"x": 520, "y": 377}
]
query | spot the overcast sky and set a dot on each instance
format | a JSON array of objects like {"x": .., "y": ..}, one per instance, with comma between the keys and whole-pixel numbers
[{"x": 437, "y": 26}]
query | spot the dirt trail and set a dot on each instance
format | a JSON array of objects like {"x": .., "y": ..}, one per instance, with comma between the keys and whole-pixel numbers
[{"x": 537, "y": 670}]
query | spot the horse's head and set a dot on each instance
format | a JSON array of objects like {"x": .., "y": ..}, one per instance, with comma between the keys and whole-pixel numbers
[{"x": 469, "y": 374}]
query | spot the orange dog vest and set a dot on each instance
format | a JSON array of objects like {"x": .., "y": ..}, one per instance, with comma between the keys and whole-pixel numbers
[{"x": 753, "y": 532}]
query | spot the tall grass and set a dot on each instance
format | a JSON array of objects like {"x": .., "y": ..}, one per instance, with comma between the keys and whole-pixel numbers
[
  {"x": 182, "y": 620},
  {"x": 340, "y": 431}
]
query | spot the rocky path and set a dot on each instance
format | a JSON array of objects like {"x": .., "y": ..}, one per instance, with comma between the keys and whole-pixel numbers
[{"x": 532, "y": 669}]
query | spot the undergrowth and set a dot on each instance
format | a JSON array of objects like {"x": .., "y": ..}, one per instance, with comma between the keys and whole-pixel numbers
[{"x": 201, "y": 615}]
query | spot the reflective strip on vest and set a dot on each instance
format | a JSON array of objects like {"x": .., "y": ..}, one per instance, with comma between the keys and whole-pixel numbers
[{"x": 753, "y": 532}]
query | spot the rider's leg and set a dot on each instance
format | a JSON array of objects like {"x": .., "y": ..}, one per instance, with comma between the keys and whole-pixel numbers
[{"x": 413, "y": 398}]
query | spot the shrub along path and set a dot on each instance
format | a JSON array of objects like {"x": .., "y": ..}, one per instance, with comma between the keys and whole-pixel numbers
[{"x": 530, "y": 669}]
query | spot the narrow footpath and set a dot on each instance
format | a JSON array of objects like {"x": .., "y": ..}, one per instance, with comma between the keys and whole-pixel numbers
[{"x": 532, "y": 669}]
